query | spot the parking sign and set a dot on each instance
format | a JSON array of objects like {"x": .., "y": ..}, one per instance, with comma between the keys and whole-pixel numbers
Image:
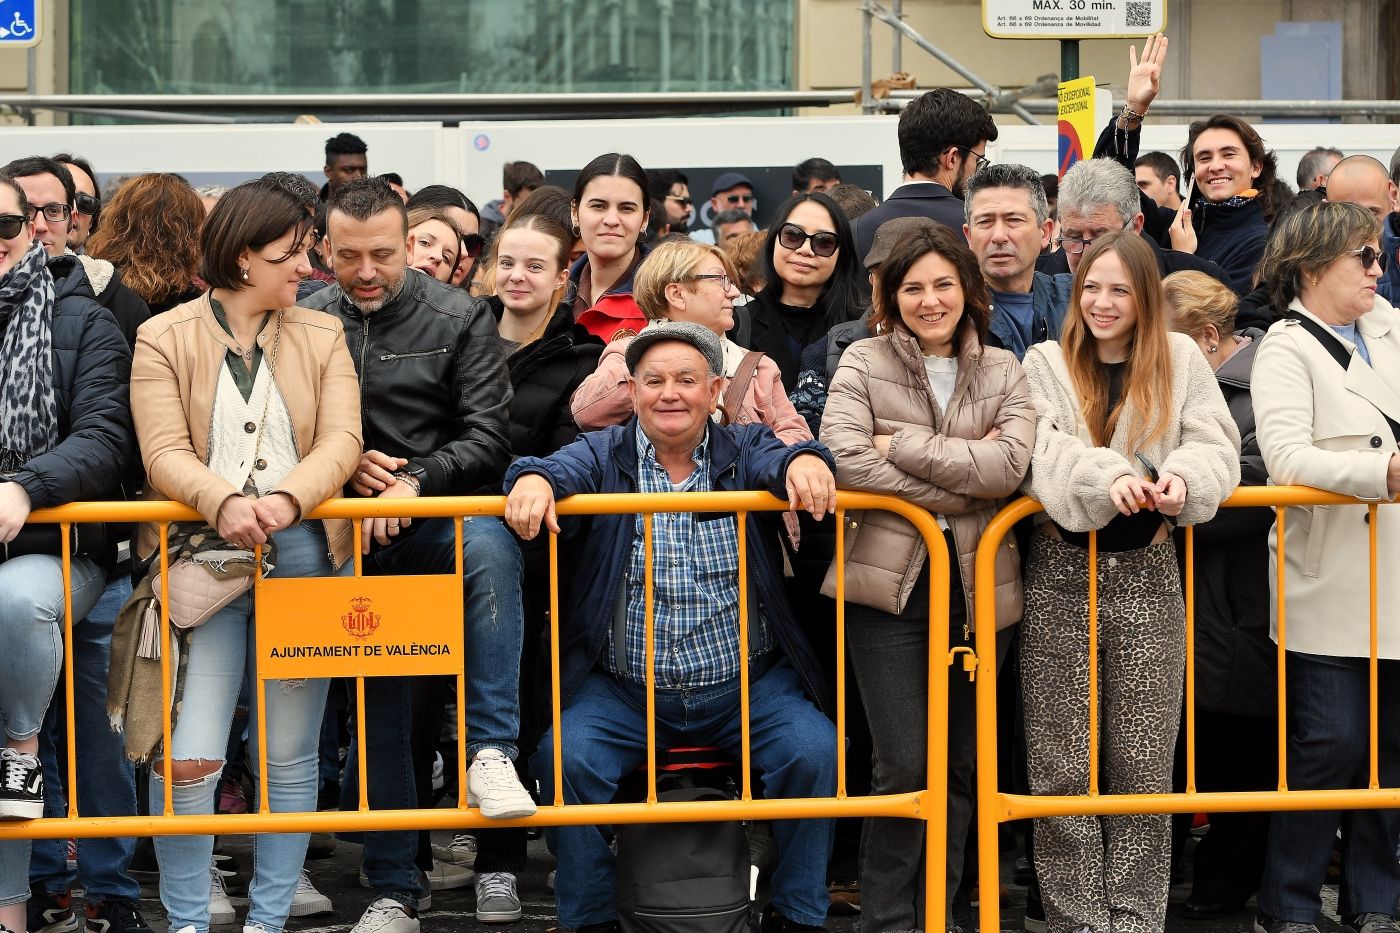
[{"x": 19, "y": 23}]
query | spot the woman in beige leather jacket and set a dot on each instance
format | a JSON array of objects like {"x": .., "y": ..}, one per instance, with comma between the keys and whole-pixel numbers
[{"x": 925, "y": 411}]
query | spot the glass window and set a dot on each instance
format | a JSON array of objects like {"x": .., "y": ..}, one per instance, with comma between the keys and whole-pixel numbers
[{"x": 449, "y": 46}]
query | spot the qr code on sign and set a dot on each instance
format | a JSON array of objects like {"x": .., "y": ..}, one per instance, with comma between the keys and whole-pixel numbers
[{"x": 1139, "y": 14}]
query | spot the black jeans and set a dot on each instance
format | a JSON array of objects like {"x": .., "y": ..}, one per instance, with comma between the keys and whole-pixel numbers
[{"x": 890, "y": 656}]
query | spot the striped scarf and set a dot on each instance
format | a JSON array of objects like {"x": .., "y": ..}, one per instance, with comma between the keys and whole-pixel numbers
[{"x": 28, "y": 407}]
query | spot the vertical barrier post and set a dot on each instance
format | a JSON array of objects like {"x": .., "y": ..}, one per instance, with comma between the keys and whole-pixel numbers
[
  {"x": 936, "y": 799},
  {"x": 65, "y": 531},
  {"x": 259, "y": 695},
  {"x": 1190, "y": 659},
  {"x": 555, "y": 687},
  {"x": 1282, "y": 592},
  {"x": 746, "y": 764},
  {"x": 457, "y": 522},
  {"x": 1093, "y": 663},
  {"x": 650, "y": 605},
  {"x": 841, "y": 654},
  {"x": 169, "y": 806},
  {"x": 1375, "y": 780},
  {"x": 361, "y": 766}
]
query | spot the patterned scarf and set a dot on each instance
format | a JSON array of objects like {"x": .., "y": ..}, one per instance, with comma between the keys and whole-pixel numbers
[{"x": 28, "y": 408}]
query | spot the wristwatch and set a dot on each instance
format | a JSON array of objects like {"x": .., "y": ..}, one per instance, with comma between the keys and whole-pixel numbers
[{"x": 414, "y": 474}]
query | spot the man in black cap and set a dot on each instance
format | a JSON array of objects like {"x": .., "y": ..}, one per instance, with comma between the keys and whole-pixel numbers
[{"x": 731, "y": 191}]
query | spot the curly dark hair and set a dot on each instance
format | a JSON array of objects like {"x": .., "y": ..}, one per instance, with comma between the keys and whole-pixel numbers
[
  {"x": 150, "y": 233},
  {"x": 938, "y": 239}
]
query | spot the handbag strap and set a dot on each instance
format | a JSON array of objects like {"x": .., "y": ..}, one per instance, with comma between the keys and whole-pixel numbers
[
  {"x": 1332, "y": 343},
  {"x": 739, "y": 386}
]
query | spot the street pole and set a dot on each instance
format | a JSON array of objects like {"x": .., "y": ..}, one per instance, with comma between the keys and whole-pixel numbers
[{"x": 1069, "y": 59}]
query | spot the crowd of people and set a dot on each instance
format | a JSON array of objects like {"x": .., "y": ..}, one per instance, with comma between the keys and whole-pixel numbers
[{"x": 1128, "y": 356}]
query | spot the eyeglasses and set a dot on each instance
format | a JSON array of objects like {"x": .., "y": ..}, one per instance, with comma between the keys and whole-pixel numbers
[
  {"x": 87, "y": 204},
  {"x": 982, "y": 161},
  {"x": 824, "y": 244},
  {"x": 1369, "y": 256},
  {"x": 11, "y": 225},
  {"x": 473, "y": 244},
  {"x": 55, "y": 212},
  {"x": 683, "y": 202},
  {"x": 738, "y": 198},
  {"x": 1074, "y": 244},
  {"x": 725, "y": 282}
]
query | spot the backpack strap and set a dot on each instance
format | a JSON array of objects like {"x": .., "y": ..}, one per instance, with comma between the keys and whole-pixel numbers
[
  {"x": 739, "y": 386},
  {"x": 1338, "y": 351}
]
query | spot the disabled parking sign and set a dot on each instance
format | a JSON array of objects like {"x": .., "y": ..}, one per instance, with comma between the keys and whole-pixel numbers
[{"x": 19, "y": 23}]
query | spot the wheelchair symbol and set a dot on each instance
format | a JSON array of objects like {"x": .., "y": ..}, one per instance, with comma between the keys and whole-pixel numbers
[{"x": 18, "y": 29}]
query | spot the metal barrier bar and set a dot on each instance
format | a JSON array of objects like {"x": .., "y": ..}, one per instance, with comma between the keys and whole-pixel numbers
[{"x": 995, "y": 807}]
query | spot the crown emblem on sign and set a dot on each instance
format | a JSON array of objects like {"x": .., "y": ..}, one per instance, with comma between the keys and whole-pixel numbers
[{"x": 360, "y": 621}]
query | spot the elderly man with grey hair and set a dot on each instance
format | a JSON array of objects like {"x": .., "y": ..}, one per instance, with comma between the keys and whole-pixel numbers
[{"x": 1007, "y": 226}]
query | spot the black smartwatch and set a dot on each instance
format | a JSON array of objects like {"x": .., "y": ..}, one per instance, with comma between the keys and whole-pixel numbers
[{"x": 415, "y": 474}]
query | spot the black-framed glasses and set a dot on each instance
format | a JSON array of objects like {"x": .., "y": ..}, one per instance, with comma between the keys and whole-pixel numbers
[
  {"x": 11, "y": 225},
  {"x": 725, "y": 282},
  {"x": 824, "y": 244},
  {"x": 1369, "y": 256},
  {"x": 87, "y": 204},
  {"x": 739, "y": 198},
  {"x": 55, "y": 212},
  {"x": 1074, "y": 244},
  {"x": 683, "y": 202},
  {"x": 982, "y": 161}
]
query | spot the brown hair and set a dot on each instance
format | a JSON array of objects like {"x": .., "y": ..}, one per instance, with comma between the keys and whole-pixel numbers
[
  {"x": 893, "y": 271},
  {"x": 1309, "y": 239},
  {"x": 746, "y": 250},
  {"x": 150, "y": 233},
  {"x": 1254, "y": 147},
  {"x": 1196, "y": 299},
  {"x": 672, "y": 261},
  {"x": 251, "y": 216},
  {"x": 1147, "y": 380}
]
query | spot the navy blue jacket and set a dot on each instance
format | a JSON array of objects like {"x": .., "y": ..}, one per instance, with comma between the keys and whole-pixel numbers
[
  {"x": 1049, "y": 302},
  {"x": 742, "y": 457},
  {"x": 1389, "y": 285}
]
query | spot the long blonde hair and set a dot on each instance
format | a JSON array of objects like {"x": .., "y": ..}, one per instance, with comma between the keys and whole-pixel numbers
[{"x": 1147, "y": 379}]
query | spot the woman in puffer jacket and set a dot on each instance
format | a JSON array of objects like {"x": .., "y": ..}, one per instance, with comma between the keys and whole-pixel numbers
[{"x": 926, "y": 411}]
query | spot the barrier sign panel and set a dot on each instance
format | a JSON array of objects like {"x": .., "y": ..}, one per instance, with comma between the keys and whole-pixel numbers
[
  {"x": 1082, "y": 111},
  {"x": 19, "y": 23},
  {"x": 359, "y": 626},
  {"x": 1073, "y": 19}
]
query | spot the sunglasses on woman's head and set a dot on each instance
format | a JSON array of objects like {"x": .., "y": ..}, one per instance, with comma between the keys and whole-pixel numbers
[
  {"x": 1369, "y": 255},
  {"x": 824, "y": 244},
  {"x": 11, "y": 225}
]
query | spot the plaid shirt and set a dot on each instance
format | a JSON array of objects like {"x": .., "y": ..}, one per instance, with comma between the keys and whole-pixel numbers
[{"x": 695, "y": 590}]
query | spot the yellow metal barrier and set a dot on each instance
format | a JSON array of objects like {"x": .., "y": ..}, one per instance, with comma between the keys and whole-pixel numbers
[
  {"x": 309, "y": 608},
  {"x": 995, "y": 807}
]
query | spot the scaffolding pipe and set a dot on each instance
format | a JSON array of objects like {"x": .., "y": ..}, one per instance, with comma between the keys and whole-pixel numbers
[
  {"x": 867, "y": 58},
  {"x": 1266, "y": 108},
  {"x": 897, "y": 52}
]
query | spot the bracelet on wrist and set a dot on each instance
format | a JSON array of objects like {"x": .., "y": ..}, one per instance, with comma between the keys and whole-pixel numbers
[{"x": 411, "y": 480}]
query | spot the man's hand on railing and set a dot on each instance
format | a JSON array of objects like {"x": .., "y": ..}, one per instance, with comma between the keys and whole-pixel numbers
[
  {"x": 810, "y": 485},
  {"x": 530, "y": 502},
  {"x": 382, "y": 529},
  {"x": 14, "y": 510},
  {"x": 237, "y": 523},
  {"x": 375, "y": 473}
]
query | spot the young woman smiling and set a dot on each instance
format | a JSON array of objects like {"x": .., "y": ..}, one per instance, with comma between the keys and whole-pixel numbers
[
  {"x": 926, "y": 411},
  {"x": 1118, "y": 400},
  {"x": 611, "y": 204}
]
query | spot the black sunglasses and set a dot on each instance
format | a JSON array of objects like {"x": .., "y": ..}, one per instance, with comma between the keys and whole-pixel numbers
[
  {"x": 473, "y": 244},
  {"x": 87, "y": 204},
  {"x": 1369, "y": 255},
  {"x": 11, "y": 225},
  {"x": 824, "y": 244}
]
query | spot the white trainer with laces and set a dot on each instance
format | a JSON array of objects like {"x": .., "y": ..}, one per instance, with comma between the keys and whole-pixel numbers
[
  {"x": 307, "y": 901},
  {"x": 220, "y": 909},
  {"x": 386, "y": 915},
  {"x": 462, "y": 851},
  {"x": 493, "y": 786},
  {"x": 496, "y": 899},
  {"x": 21, "y": 786}
]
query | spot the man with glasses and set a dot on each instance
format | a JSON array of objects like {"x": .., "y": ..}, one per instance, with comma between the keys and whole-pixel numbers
[
  {"x": 730, "y": 192},
  {"x": 671, "y": 189},
  {"x": 106, "y": 780},
  {"x": 943, "y": 138}
]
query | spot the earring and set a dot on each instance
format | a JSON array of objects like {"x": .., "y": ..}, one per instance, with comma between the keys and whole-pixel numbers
[
  {"x": 243, "y": 274},
  {"x": 1214, "y": 348}
]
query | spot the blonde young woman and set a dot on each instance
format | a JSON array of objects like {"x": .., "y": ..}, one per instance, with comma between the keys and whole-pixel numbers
[
  {"x": 434, "y": 242},
  {"x": 1133, "y": 436}
]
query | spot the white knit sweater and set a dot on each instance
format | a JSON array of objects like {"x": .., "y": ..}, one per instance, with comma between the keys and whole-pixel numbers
[
  {"x": 1071, "y": 477},
  {"x": 235, "y": 429}
]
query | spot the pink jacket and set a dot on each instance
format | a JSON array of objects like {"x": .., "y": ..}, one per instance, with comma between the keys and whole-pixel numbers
[{"x": 603, "y": 399}]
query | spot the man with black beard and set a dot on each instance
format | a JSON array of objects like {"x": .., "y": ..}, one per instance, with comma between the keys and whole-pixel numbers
[{"x": 943, "y": 138}]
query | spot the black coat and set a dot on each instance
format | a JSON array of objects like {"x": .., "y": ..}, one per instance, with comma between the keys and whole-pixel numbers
[
  {"x": 92, "y": 375},
  {"x": 1233, "y": 237},
  {"x": 1235, "y": 658},
  {"x": 911, "y": 199},
  {"x": 545, "y": 375}
]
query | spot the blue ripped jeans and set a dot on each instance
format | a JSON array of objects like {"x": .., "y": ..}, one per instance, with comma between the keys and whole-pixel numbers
[{"x": 222, "y": 653}]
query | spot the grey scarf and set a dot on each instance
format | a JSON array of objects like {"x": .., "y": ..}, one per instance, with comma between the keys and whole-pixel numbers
[{"x": 28, "y": 408}]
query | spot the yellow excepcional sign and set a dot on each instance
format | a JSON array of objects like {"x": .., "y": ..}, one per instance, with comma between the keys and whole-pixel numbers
[
  {"x": 359, "y": 626},
  {"x": 1077, "y": 117}
]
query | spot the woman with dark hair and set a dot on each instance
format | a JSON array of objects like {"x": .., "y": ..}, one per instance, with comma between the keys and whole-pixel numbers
[
  {"x": 65, "y": 435},
  {"x": 1133, "y": 436},
  {"x": 150, "y": 234},
  {"x": 610, "y": 207},
  {"x": 247, "y": 409},
  {"x": 1326, "y": 384},
  {"x": 1228, "y": 217},
  {"x": 926, "y": 411}
]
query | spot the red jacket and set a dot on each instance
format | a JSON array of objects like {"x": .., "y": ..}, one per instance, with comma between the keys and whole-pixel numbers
[{"x": 614, "y": 315}]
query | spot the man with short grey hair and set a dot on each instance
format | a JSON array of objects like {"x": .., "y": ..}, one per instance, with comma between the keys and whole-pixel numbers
[
  {"x": 731, "y": 223},
  {"x": 1316, "y": 165},
  {"x": 1007, "y": 225}
]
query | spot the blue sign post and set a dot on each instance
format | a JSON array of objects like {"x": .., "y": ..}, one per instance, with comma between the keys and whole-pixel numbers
[{"x": 19, "y": 23}]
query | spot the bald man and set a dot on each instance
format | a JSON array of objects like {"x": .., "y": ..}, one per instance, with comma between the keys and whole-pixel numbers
[{"x": 1365, "y": 181}]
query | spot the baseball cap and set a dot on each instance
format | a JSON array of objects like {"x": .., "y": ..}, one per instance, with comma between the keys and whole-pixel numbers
[
  {"x": 892, "y": 232},
  {"x": 729, "y": 180},
  {"x": 701, "y": 338}
]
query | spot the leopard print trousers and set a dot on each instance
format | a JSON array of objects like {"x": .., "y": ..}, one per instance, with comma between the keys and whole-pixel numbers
[{"x": 1111, "y": 873}]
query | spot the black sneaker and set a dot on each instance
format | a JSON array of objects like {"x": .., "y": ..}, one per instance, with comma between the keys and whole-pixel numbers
[
  {"x": 774, "y": 922},
  {"x": 21, "y": 786},
  {"x": 48, "y": 912},
  {"x": 115, "y": 916},
  {"x": 1373, "y": 923}
]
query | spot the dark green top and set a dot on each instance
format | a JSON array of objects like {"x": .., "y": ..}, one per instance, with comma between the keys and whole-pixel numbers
[{"x": 243, "y": 376}]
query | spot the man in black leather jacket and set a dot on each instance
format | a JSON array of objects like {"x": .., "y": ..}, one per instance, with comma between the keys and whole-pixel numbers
[{"x": 435, "y": 400}]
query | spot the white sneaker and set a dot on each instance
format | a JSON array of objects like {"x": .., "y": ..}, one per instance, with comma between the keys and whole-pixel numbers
[
  {"x": 386, "y": 915},
  {"x": 425, "y": 900},
  {"x": 493, "y": 786},
  {"x": 220, "y": 909},
  {"x": 448, "y": 877},
  {"x": 496, "y": 900},
  {"x": 462, "y": 851},
  {"x": 549, "y": 880},
  {"x": 307, "y": 901},
  {"x": 439, "y": 773}
]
